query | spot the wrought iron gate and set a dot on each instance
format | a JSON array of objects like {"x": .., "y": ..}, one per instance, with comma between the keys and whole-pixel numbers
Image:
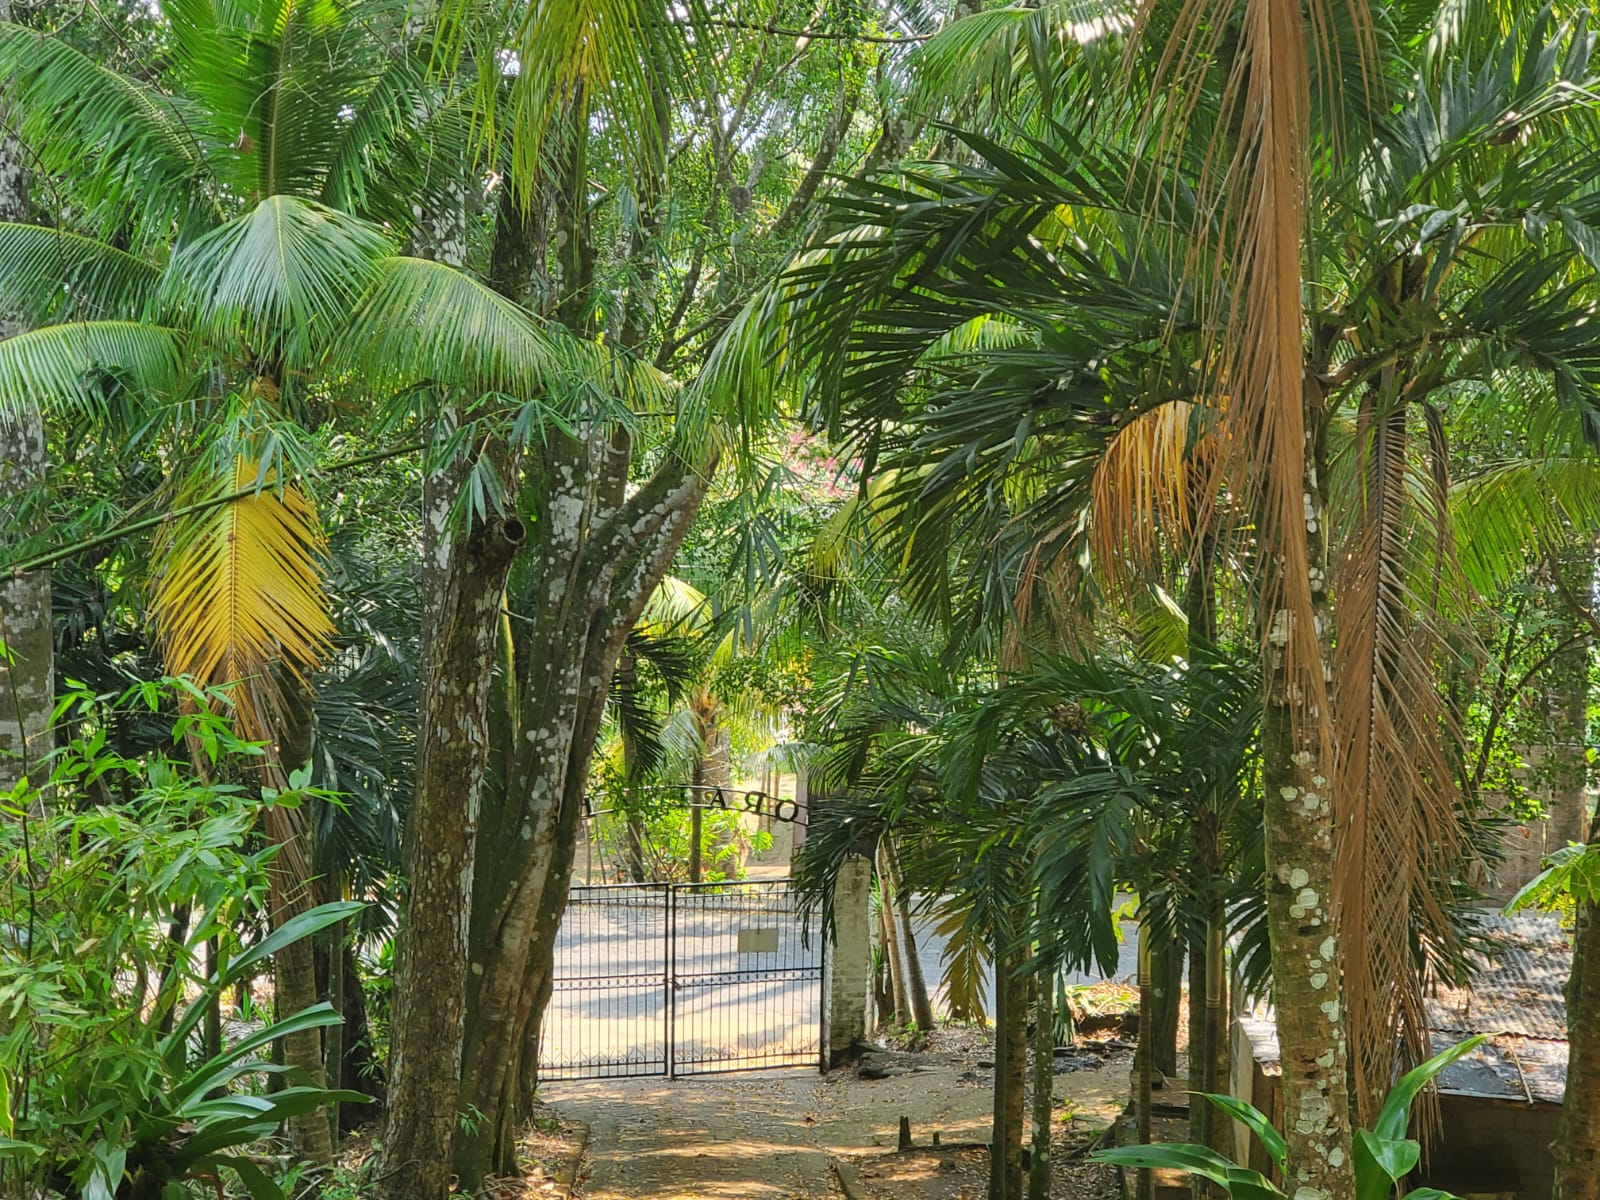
[{"x": 683, "y": 979}]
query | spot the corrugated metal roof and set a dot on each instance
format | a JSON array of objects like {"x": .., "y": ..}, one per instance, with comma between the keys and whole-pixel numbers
[
  {"x": 1517, "y": 996},
  {"x": 1519, "y": 986}
]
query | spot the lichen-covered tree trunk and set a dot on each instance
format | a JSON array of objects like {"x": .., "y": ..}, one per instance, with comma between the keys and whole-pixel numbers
[
  {"x": 600, "y": 554},
  {"x": 431, "y": 952},
  {"x": 27, "y": 684},
  {"x": 1298, "y": 815},
  {"x": 1578, "y": 1139},
  {"x": 1044, "y": 1077}
]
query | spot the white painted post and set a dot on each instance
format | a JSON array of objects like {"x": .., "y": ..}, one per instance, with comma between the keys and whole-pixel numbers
[{"x": 849, "y": 991}]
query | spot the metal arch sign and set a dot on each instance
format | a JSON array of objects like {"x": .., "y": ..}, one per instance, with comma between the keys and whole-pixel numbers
[{"x": 756, "y": 803}]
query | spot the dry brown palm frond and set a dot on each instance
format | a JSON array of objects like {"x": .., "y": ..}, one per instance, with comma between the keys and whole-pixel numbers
[
  {"x": 1050, "y": 606},
  {"x": 1400, "y": 842},
  {"x": 1143, "y": 491},
  {"x": 1247, "y": 254}
]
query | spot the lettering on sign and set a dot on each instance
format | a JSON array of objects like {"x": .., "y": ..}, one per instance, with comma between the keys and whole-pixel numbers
[{"x": 758, "y": 941}]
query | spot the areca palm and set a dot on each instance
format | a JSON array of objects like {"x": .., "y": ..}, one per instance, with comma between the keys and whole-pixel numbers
[{"x": 1452, "y": 243}]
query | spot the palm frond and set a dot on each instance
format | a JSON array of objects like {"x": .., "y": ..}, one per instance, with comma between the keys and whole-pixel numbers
[
  {"x": 1142, "y": 487},
  {"x": 279, "y": 282},
  {"x": 240, "y": 594},
  {"x": 129, "y": 149},
  {"x": 577, "y": 57},
  {"x": 425, "y": 322},
  {"x": 1503, "y": 511},
  {"x": 51, "y": 274},
  {"x": 1396, "y": 815},
  {"x": 68, "y": 366}
]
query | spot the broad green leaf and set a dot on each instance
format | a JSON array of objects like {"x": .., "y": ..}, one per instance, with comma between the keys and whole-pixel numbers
[
  {"x": 1381, "y": 1163},
  {"x": 257, "y": 1182},
  {"x": 1256, "y": 1121},
  {"x": 1197, "y": 1160},
  {"x": 1396, "y": 1113}
]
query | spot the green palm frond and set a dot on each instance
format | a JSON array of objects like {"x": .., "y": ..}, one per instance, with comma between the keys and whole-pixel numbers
[
  {"x": 424, "y": 322},
  {"x": 47, "y": 274},
  {"x": 130, "y": 150},
  {"x": 67, "y": 366},
  {"x": 576, "y": 57},
  {"x": 1505, "y": 512},
  {"x": 281, "y": 280},
  {"x": 1013, "y": 57},
  {"x": 279, "y": 83}
]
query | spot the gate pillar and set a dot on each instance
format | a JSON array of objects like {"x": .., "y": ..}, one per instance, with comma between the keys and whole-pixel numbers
[{"x": 849, "y": 993}]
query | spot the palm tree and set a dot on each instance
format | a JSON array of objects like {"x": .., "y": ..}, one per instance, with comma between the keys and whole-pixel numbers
[
  {"x": 1090, "y": 280},
  {"x": 218, "y": 278}
]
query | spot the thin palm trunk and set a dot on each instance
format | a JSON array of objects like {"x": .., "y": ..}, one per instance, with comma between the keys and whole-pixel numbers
[
  {"x": 333, "y": 1036},
  {"x": 1166, "y": 998},
  {"x": 1144, "y": 1059},
  {"x": 891, "y": 951},
  {"x": 1010, "y": 1077},
  {"x": 916, "y": 982},
  {"x": 1044, "y": 1076},
  {"x": 1578, "y": 1138}
]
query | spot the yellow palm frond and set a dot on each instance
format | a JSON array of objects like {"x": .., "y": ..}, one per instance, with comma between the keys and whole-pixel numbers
[
  {"x": 240, "y": 593},
  {"x": 1143, "y": 489}
]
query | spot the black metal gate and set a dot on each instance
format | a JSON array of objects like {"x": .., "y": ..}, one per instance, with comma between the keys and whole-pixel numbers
[{"x": 683, "y": 979}]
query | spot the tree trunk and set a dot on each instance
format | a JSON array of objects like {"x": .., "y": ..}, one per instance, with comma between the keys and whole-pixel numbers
[
  {"x": 295, "y": 990},
  {"x": 600, "y": 554},
  {"x": 634, "y": 833},
  {"x": 1566, "y": 707},
  {"x": 1208, "y": 1013},
  {"x": 697, "y": 834},
  {"x": 432, "y": 943},
  {"x": 891, "y": 942},
  {"x": 1166, "y": 998},
  {"x": 916, "y": 983},
  {"x": 627, "y": 677},
  {"x": 1002, "y": 1133},
  {"x": 359, "y": 1070},
  {"x": 27, "y": 669},
  {"x": 1013, "y": 1067},
  {"x": 1044, "y": 1079},
  {"x": 333, "y": 1036},
  {"x": 290, "y": 893},
  {"x": 1298, "y": 818},
  {"x": 1578, "y": 1137},
  {"x": 1144, "y": 1058},
  {"x": 212, "y": 1036}
]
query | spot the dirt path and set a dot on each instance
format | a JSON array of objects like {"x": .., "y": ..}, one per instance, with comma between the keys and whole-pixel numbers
[{"x": 771, "y": 1136}]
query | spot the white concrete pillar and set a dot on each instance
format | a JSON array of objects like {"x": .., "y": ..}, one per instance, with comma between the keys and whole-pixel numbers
[{"x": 849, "y": 1016}]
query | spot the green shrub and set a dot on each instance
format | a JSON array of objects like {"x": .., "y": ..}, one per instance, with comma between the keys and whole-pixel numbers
[{"x": 114, "y": 874}]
